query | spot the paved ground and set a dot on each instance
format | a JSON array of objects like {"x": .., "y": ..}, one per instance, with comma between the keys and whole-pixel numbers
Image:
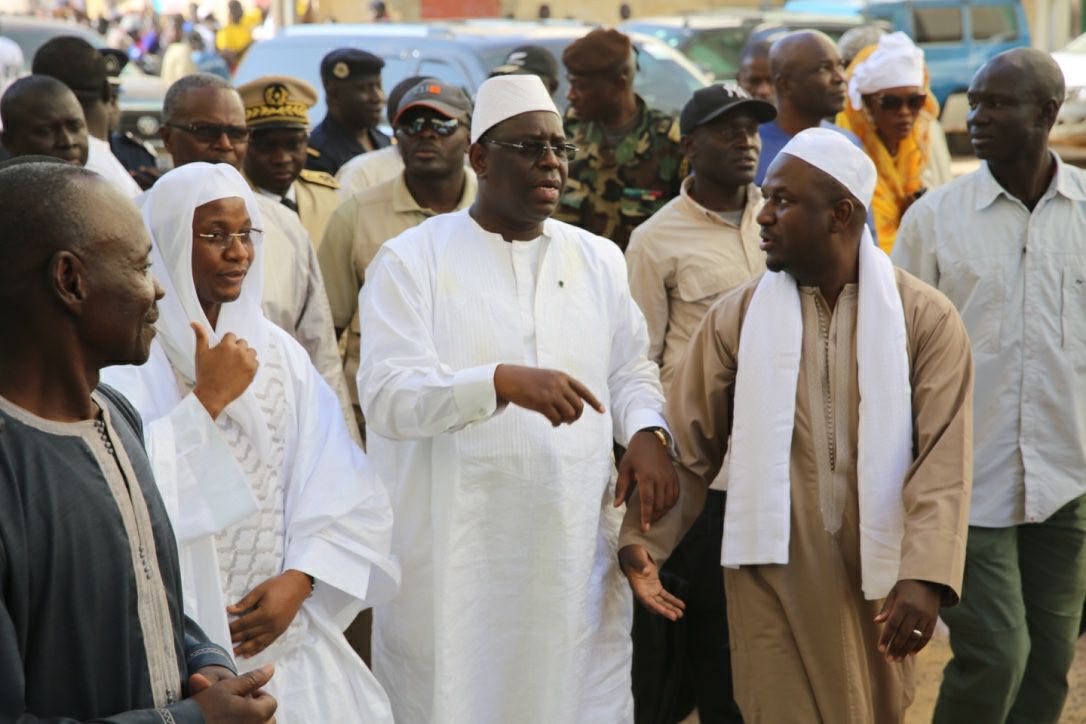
[{"x": 929, "y": 673}]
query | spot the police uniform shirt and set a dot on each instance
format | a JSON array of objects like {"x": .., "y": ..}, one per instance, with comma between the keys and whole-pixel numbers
[{"x": 335, "y": 145}]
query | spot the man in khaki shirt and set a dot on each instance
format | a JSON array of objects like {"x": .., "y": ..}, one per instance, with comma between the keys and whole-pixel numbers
[
  {"x": 680, "y": 261},
  {"x": 432, "y": 131}
]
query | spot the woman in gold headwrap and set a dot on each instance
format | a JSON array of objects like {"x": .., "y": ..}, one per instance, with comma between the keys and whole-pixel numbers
[{"x": 892, "y": 111}]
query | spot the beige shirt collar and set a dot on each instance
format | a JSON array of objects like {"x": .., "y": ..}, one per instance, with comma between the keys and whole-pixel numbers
[
  {"x": 403, "y": 202},
  {"x": 692, "y": 207}
]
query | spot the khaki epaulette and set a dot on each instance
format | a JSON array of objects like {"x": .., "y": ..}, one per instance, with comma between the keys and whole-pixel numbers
[{"x": 320, "y": 177}]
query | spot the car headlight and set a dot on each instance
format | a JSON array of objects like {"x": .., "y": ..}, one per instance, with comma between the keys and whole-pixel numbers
[{"x": 147, "y": 125}]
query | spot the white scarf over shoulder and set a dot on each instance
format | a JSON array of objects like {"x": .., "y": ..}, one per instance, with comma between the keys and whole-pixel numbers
[{"x": 757, "y": 517}]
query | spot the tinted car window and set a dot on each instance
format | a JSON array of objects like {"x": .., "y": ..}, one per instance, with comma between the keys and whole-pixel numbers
[
  {"x": 938, "y": 25},
  {"x": 717, "y": 51},
  {"x": 304, "y": 62},
  {"x": 994, "y": 22}
]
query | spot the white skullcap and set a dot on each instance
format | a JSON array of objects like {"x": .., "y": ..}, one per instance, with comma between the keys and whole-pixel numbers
[
  {"x": 895, "y": 63},
  {"x": 504, "y": 96},
  {"x": 831, "y": 152}
]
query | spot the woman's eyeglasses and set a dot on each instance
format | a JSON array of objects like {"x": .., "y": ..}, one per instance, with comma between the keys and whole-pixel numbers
[
  {"x": 225, "y": 241},
  {"x": 890, "y": 102},
  {"x": 442, "y": 127}
]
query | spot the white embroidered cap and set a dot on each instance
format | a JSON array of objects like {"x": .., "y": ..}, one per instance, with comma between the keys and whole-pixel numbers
[
  {"x": 895, "y": 63},
  {"x": 831, "y": 152},
  {"x": 504, "y": 96}
]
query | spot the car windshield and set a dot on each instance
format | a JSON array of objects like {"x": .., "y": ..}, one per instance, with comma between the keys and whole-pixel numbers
[{"x": 714, "y": 50}]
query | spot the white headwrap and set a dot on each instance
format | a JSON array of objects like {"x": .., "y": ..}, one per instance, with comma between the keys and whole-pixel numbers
[
  {"x": 168, "y": 210},
  {"x": 504, "y": 96},
  {"x": 830, "y": 151},
  {"x": 895, "y": 63},
  {"x": 757, "y": 519}
]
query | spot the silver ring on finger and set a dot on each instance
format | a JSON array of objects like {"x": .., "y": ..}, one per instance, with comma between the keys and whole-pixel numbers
[{"x": 918, "y": 633}]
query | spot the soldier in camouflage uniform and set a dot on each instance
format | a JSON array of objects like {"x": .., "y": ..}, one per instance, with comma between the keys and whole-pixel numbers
[{"x": 629, "y": 160}]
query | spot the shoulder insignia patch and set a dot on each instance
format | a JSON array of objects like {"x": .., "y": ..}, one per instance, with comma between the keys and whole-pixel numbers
[
  {"x": 319, "y": 177},
  {"x": 313, "y": 152}
]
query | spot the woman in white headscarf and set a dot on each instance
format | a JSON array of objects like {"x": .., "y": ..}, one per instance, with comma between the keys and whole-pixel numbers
[
  {"x": 892, "y": 111},
  {"x": 283, "y": 528}
]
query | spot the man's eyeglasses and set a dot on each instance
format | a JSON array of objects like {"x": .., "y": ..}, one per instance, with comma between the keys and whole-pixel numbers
[
  {"x": 534, "y": 151},
  {"x": 211, "y": 132},
  {"x": 440, "y": 126},
  {"x": 225, "y": 241},
  {"x": 891, "y": 103}
]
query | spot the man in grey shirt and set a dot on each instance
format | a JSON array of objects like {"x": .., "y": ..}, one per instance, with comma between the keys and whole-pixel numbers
[{"x": 1007, "y": 240}]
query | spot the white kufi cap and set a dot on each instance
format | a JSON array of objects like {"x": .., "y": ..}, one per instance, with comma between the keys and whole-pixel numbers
[
  {"x": 895, "y": 63},
  {"x": 504, "y": 96},
  {"x": 831, "y": 152}
]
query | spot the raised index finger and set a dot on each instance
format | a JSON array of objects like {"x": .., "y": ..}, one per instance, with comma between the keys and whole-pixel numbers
[{"x": 586, "y": 395}]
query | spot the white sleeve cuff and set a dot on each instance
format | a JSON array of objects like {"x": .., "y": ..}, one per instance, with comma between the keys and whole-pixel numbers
[
  {"x": 473, "y": 390},
  {"x": 640, "y": 419}
]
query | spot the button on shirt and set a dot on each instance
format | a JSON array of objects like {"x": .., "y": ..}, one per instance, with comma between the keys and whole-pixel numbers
[{"x": 998, "y": 262}]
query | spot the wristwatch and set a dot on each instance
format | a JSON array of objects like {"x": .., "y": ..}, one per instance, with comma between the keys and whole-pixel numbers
[{"x": 663, "y": 436}]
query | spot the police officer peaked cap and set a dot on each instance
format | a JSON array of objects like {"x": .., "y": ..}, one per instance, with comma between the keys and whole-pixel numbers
[{"x": 349, "y": 63}]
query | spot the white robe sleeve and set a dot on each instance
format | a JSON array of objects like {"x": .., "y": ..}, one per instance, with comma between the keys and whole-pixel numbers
[
  {"x": 338, "y": 515},
  {"x": 405, "y": 391},
  {"x": 637, "y": 399},
  {"x": 202, "y": 485}
]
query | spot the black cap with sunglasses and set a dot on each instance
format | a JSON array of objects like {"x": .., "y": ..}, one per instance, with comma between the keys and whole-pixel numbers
[{"x": 449, "y": 100}]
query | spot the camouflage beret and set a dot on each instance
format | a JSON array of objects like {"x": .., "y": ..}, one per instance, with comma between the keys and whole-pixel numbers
[{"x": 601, "y": 50}]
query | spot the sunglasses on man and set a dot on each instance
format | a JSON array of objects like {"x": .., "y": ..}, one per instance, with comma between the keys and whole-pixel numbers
[
  {"x": 211, "y": 132},
  {"x": 440, "y": 126}
]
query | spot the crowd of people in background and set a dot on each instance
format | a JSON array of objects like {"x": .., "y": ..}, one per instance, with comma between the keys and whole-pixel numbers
[{"x": 516, "y": 415}]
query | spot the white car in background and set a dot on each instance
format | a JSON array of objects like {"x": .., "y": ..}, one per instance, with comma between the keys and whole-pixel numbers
[{"x": 1070, "y": 130}]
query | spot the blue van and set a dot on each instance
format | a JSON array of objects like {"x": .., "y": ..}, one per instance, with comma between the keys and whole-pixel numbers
[{"x": 957, "y": 37}]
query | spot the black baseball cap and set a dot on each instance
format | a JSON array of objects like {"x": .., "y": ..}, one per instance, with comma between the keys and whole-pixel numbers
[
  {"x": 528, "y": 60},
  {"x": 714, "y": 101}
]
